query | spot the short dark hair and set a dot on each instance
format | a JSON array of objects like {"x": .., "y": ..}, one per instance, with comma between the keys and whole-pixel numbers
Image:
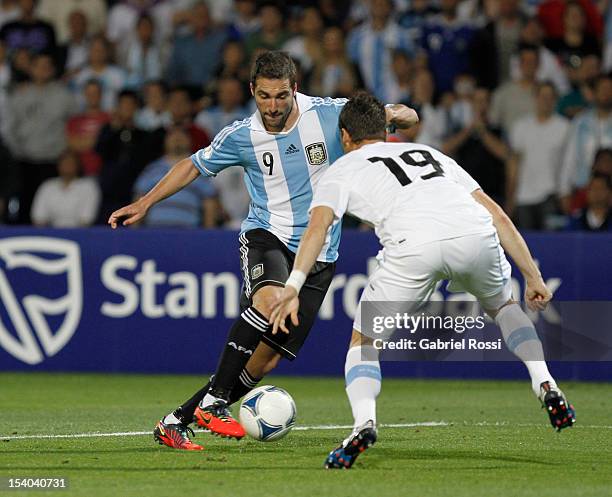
[
  {"x": 601, "y": 153},
  {"x": 601, "y": 78},
  {"x": 274, "y": 65},
  {"x": 94, "y": 82},
  {"x": 363, "y": 117},
  {"x": 44, "y": 55},
  {"x": 528, "y": 47},
  {"x": 604, "y": 177},
  {"x": 156, "y": 82},
  {"x": 546, "y": 84},
  {"x": 126, "y": 93}
]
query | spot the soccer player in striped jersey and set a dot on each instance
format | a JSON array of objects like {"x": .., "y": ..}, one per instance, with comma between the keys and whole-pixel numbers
[{"x": 284, "y": 148}]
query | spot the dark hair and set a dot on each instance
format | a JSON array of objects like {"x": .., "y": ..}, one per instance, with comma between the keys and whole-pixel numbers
[
  {"x": 574, "y": 3},
  {"x": 95, "y": 82},
  {"x": 69, "y": 153},
  {"x": 605, "y": 177},
  {"x": 546, "y": 84},
  {"x": 147, "y": 18},
  {"x": 528, "y": 47},
  {"x": 180, "y": 89},
  {"x": 44, "y": 55},
  {"x": 273, "y": 4},
  {"x": 156, "y": 82},
  {"x": 363, "y": 117},
  {"x": 602, "y": 152},
  {"x": 129, "y": 94},
  {"x": 601, "y": 78},
  {"x": 274, "y": 65}
]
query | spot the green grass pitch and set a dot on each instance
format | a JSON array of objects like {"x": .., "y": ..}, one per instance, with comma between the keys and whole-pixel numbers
[{"x": 496, "y": 441}]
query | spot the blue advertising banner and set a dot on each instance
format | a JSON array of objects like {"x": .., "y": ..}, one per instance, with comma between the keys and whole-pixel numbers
[{"x": 161, "y": 301}]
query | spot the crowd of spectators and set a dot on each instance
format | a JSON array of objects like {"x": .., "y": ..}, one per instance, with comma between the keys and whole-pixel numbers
[{"x": 98, "y": 98}]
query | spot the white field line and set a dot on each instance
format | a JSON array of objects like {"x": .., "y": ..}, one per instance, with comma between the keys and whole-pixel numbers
[
  {"x": 150, "y": 432},
  {"x": 300, "y": 428}
]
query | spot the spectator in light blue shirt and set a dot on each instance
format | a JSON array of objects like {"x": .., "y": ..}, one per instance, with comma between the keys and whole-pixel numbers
[
  {"x": 195, "y": 56},
  {"x": 228, "y": 109},
  {"x": 194, "y": 205},
  {"x": 591, "y": 130},
  {"x": 371, "y": 44}
]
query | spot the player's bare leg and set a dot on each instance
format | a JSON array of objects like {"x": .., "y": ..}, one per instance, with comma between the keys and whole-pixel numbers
[
  {"x": 363, "y": 381},
  {"x": 522, "y": 339},
  {"x": 264, "y": 360}
]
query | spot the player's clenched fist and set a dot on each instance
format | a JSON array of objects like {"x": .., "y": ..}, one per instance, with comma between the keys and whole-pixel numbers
[
  {"x": 537, "y": 294},
  {"x": 130, "y": 214}
]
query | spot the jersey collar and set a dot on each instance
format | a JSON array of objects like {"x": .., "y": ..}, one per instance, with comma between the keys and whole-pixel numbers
[{"x": 304, "y": 103}]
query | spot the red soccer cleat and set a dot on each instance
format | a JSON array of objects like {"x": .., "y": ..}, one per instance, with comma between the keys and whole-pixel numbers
[
  {"x": 218, "y": 419},
  {"x": 175, "y": 436}
]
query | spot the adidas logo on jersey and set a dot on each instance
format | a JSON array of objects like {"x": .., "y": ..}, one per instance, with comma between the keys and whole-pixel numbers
[{"x": 291, "y": 149}]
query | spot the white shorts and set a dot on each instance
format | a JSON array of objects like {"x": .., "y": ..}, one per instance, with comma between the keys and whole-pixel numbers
[{"x": 475, "y": 264}]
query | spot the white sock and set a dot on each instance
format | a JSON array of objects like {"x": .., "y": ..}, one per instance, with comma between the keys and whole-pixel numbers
[
  {"x": 522, "y": 339},
  {"x": 171, "y": 419},
  {"x": 363, "y": 380},
  {"x": 208, "y": 400}
]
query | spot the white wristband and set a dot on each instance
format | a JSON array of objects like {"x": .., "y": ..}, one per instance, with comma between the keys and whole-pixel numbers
[{"x": 296, "y": 280}]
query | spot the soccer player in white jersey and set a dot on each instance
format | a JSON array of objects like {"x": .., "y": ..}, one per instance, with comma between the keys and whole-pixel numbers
[
  {"x": 434, "y": 223},
  {"x": 284, "y": 148}
]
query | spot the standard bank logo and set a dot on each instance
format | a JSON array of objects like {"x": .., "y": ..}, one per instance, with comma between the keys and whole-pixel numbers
[{"x": 41, "y": 326}]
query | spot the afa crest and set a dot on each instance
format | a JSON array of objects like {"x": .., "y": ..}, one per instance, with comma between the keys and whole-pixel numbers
[
  {"x": 316, "y": 153},
  {"x": 257, "y": 271}
]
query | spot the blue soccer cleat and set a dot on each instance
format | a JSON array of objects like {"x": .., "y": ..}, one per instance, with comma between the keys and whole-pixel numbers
[{"x": 344, "y": 456}]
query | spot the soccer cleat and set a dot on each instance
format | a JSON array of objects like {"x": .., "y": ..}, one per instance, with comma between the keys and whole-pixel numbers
[
  {"x": 218, "y": 419},
  {"x": 560, "y": 411},
  {"x": 175, "y": 436},
  {"x": 344, "y": 456}
]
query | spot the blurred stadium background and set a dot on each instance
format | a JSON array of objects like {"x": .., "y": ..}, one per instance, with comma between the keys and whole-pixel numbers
[{"x": 98, "y": 98}]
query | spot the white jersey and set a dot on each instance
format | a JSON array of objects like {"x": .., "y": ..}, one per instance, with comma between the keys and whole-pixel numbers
[{"x": 412, "y": 194}]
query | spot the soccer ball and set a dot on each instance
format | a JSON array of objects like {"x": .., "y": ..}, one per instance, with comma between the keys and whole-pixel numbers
[{"x": 267, "y": 413}]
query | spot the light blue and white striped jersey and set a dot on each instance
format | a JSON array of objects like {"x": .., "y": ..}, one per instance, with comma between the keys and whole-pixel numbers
[
  {"x": 372, "y": 52},
  {"x": 281, "y": 169},
  {"x": 588, "y": 134}
]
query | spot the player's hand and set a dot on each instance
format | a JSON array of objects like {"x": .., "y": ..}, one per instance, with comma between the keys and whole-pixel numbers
[
  {"x": 401, "y": 116},
  {"x": 537, "y": 295},
  {"x": 287, "y": 304},
  {"x": 130, "y": 214}
]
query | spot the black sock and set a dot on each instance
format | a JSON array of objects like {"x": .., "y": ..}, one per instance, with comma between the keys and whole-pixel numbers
[
  {"x": 244, "y": 385},
  {"x": 185, "y": 411},
  {"x": 242, "y": 340}
]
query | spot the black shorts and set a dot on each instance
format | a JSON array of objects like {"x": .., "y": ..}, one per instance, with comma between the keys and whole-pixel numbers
[{"x": 265, "y": 260}]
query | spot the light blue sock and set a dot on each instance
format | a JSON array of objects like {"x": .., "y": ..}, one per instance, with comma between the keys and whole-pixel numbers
[{"x": 522, "y": 339}]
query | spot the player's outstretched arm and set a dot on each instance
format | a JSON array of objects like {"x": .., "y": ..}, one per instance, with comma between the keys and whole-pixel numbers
[
  {"x": 313, "y": 239},
  {"x": 401, "y": 116},
  {"x": 181, "y": 174},
  {"x": 537, "y": 295}
]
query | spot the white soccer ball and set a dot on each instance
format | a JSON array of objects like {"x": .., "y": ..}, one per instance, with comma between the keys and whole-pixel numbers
[{"x": 267, "y": 413}]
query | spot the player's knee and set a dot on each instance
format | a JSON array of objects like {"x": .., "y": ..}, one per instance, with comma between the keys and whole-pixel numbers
[
  {"x": 358, "y": 339},
  {"x": 265, "y": 298},
  {"x": 493, "y": 312}
]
